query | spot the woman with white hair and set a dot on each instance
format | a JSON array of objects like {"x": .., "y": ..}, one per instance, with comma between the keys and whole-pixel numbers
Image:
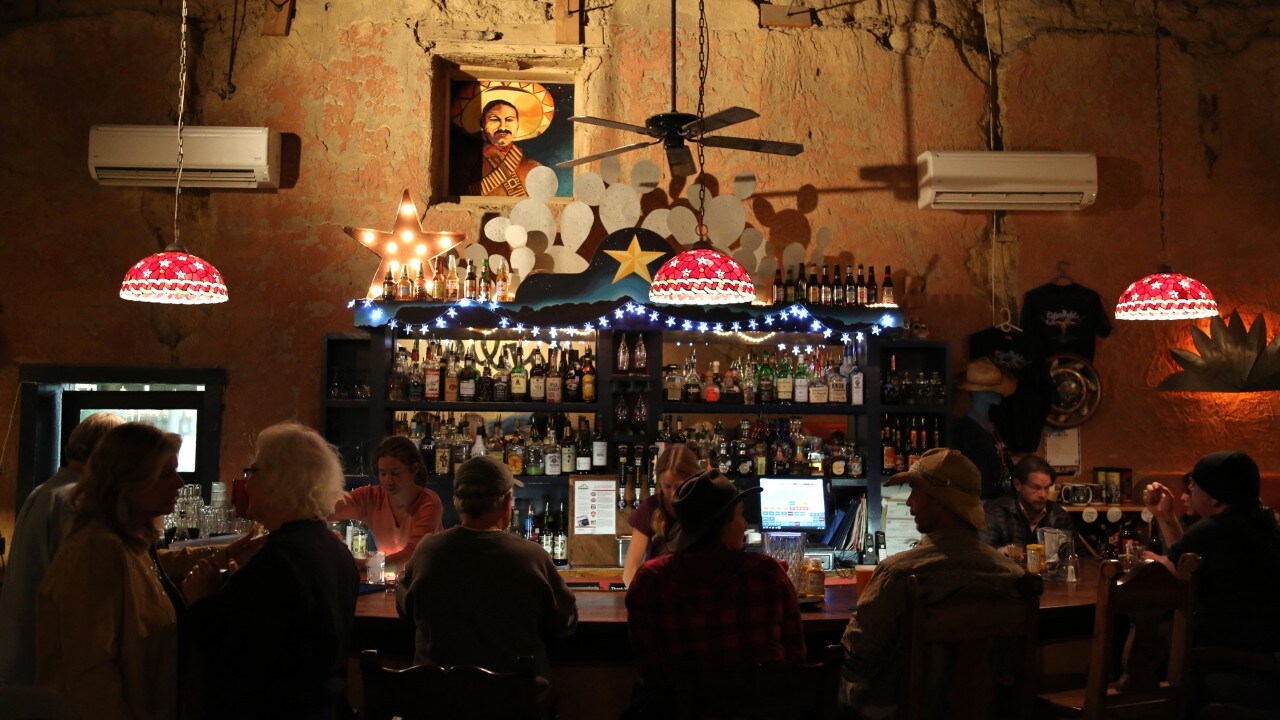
[{"x": 274, "y": 633}]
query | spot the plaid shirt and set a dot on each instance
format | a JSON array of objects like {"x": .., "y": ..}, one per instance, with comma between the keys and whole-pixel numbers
[
  {"x": 1008, "y": 525},
  {"x": 711, "y": 608}
]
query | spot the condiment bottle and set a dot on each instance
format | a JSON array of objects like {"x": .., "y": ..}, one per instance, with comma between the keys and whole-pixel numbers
[{"x": 815, "y": 579}]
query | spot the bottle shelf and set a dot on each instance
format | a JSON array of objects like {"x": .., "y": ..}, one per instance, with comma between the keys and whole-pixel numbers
[
  {"x": 498, "y": 407},
  {"x": 631, "y": 377},
  {"x": 743, "y": 409},
  {"x": 914, "y": 409},
  {"x": 528, "y": 480},
  {"x": 347, "y": 404}
]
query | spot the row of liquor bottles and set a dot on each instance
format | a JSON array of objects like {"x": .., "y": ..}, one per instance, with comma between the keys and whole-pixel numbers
[
  {"x": 904, "y": 438},
  {"x": 450, "y": 371},
  {"x": 837, "y": 290},
  {"x": 434, "y": 282},
  {"x": 548, "y": 447},
  {"x": 548, "y": 529},
  {"x": 768, "y": 379}
]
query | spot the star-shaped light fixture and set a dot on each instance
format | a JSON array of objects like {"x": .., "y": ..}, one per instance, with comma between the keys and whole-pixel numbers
[
  {"x": 406, "y": 243},
  {"x": 634, "y": 260}
]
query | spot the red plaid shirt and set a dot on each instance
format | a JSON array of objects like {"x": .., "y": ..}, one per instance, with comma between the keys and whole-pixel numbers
[{"x": 712, "y": 608}]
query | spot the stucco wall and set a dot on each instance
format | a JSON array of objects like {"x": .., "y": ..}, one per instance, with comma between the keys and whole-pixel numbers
[{"x": 868, "y": 88}]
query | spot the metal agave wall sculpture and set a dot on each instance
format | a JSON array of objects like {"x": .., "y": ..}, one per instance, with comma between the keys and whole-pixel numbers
[{"x": 1232, "y": 358}]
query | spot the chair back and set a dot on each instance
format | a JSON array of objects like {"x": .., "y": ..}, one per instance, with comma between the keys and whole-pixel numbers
[
  {"x": 33, "y": 702},
  {"x": 1158, "y": 605},
  {"x": 462, "y": 692},
  {"x": 764, "y": 692},
  {"x": 971, "y": 654}
]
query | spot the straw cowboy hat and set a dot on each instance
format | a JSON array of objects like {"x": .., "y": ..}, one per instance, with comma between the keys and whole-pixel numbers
[
  {"x": 531, "y": 100},
  {"x": 983, "y": 374},
  {"x": 951, "y": 479}
]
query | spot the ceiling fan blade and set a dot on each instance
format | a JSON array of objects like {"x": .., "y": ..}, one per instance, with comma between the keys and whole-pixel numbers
[
  {"x": 715, "y": 121},
  {"x": 606, "y": 153},
  {"x": 602, "y": 122},
  {"x": 680, "y": 160},
  {"x": 752, "y": 144}
]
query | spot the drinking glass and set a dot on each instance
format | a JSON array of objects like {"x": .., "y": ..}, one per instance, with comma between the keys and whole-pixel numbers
[{"x": 787, "y": 548}]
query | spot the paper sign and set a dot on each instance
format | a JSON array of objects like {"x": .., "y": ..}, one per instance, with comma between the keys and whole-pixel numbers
[
  {"x": 595, "y": 504},
  {"x": 1062, "y": 450},
  {"x": 895, "y": 518}
]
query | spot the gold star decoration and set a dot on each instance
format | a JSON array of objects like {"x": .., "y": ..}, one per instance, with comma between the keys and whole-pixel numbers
[
  {"x": 634, "y": 260},
  {"x": 406, "y": 243}
]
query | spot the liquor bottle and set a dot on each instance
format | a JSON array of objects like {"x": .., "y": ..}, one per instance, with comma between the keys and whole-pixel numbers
[
  {"x": 452, "y": 285},
  {"x": 784, "y": 385},
  {"x": 568, "y": 451},
  {"x": 672, "y": 383},
  {"x": 730, "y": 392},
  {"x": 857, "y": 391},
  {"x": 421, "y": 283},
  {"x": 572, "y": 370},
  {"x": 743, "y": 466},
  {"x": 886, "y": 290},
  {"x": 469, "y": 282},
  {"x": 860, "y": 287},
  {"x": 519, "y": 378},
  {"x": 588, "y": 377},
  {"x": 826, "y": 293},
  {"x": 889, "y": 390},
  {"x": 555, "y": 376},
  {"x": 436, "y": 286},
  {"x": 622, "y": 359},
  {"x": 497, "y": 446},
  {"x": 388, "y": 288},
  {"x": 478, "y": 448},
  {"x": 415, "y": 384},
  {"x": 530, "y": 531},
  {"x": 802, "y": 285},
  {"x": 502, "y": 380},
  {"x": 915, "y": 449},
  {"x": 501, "y": 284},
  {"x": 814, "y": 291},
  {"x": 711, "y": 387},
  {"x": 837, "y": 288},
  {"x": 622, "y": 477},
  {"x": 692, "y": 391},
  {"x": 584, "y": 448},
  {"x": 551, "y": 457},
  {"x": 800, "y": 382},
  {"x": 779, "y": 466},
  {"x": 537, "y": 377},
  {"x": 789, "y": 289},
  {"x": 838, "y": 381},
  {"x": 484, "y": 385},
  {"x": 484, "y": 284},
  {"x": 819, "y": 392},
  {"x": 888, "y": 451},
  {"x": 765, "y": 383},
  {"x": 451, "y": 389},
  {"x": 599, "y": 449},
  {"x": 873, "y": 293},
  {"x": 515, "y": 456},
  {"x": 748, "y": 383},
  {"x": 639, "y": 356},
  {"x": 467, "y": 378},
  {"x": 404, "y": 287},
  {"x": 776, "y": 298},
  {"x": 760, "y": 446},
  {"x": 427, "y": 448}
]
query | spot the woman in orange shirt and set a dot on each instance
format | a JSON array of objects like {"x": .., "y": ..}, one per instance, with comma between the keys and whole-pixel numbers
[{"x": 399, "y": 510}]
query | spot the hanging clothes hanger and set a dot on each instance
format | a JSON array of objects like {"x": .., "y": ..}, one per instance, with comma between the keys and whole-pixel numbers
[
  {"x": 1006, "y": 324},
  {"x": 1063, "y": 277}
]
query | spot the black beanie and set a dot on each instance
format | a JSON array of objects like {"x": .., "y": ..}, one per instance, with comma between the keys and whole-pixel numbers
[{"x": 1229, "y": 477}]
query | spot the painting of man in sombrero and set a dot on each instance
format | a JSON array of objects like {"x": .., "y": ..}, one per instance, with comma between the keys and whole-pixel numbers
[{"x": 502, "y": 129}]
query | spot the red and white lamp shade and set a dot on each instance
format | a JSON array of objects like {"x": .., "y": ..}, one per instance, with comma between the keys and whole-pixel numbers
[
  {"x": 1166, "y": 295},
  {"x": 175, "y": 277},
  {"x": 702, "y": 276}
]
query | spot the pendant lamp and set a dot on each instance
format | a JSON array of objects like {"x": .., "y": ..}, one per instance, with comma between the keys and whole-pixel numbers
[
  {"x": 701, "y": 275},
  {"x": 175, "y": 276},
  {"x": 1164, "y": 295}
]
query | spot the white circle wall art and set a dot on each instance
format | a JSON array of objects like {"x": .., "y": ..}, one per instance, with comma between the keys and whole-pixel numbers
[
  {"x": 693, "y": 194},
  {"x": 534, "y": 216},
  {"x": 565, "y": 260},
  {"x": 744, "y": 185},
  {"x": 683, "y": 224},
  {"x": 542, "y": 183},
  {"x": 516, "y": 236},
  {"x": 523, "y": 259},
  {"x": 496, "y": 229},
  {"x": 620, "y": 209},
  {"x": 792, "y": 255},
  {"x": 576, "y": 220},
  {"x": 725, "y": 218},
  {"x": 476, "y": 253},
  {"x": 645, "y": 176},
  {"x": 611, "y": 169},
  {"x": 656, "y": 221},
  {"x": 589, "y": 188}
]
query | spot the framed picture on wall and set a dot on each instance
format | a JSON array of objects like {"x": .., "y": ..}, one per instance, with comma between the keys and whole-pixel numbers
[{"x": 500, "y": 125}]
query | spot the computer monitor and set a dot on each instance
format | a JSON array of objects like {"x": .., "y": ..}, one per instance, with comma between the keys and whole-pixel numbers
[{"x": 798, "y": 504}]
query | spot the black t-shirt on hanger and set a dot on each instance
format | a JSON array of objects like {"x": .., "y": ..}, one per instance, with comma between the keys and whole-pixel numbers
[
  {"x": 1068, "y": 317},
  {"x": 1020, "y": 417}
]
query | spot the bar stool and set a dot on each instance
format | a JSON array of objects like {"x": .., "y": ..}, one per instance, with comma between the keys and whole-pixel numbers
[{"x": 462, "y": 692}]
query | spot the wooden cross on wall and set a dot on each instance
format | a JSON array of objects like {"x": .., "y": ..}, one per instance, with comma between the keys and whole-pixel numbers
[{"x": 278, "y": 17}]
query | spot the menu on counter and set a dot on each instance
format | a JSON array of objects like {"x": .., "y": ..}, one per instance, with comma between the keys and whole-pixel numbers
[{"x": 595, "y": 505}]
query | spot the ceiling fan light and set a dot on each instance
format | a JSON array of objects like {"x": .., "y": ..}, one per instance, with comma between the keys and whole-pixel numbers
[
  {"x": 174, "y": 277},
  {"x": 702, "y": 276},
  {"x": 1166, "y": 296}
]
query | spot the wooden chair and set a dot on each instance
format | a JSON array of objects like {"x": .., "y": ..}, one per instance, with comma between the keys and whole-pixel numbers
[
  {"x": 764, "y": 692},
  {"x": 462, "y": 692},
  {"x": 962, "y": 645},
  {"x": 1148, "y": 597}
]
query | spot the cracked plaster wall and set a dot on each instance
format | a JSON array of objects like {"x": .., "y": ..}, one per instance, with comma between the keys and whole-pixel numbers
[{"x": 866, "y": 89}]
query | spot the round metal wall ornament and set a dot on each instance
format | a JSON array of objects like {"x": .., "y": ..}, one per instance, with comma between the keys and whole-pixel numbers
[{"x": 1076, "y": 392}]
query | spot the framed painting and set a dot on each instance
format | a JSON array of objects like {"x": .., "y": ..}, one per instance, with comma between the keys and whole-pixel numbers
[{"x": 501, "y": 125}]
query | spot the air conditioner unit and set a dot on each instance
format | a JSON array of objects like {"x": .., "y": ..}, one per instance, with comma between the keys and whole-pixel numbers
[
  {"x": 1007, "y": 180},
  {"x": 212, "y": 157}
]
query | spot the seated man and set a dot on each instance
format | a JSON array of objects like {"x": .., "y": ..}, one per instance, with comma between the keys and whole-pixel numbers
[
  {"x": 478, "y": 594},
  {"x": 944, "y": 500},
  {"x": 708, "y": 605},
  {"x": 1012, "y": 520}
]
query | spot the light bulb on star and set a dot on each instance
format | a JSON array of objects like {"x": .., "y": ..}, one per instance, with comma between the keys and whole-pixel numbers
[{"x": 406, "y": 243}]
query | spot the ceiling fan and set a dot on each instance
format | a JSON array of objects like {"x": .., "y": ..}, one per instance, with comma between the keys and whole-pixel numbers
[{"x": 676, "y": 129}]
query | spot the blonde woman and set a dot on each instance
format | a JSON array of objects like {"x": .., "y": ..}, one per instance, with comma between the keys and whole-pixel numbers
[
  {"x": 653, "y": 524},
  {"x": 274, "y": 631},
  {"x": 106, "y": 631}
]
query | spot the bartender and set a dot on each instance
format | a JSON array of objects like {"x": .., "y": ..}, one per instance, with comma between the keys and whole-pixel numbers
[
  {"x": 399, "y": 510},
  {"x": 653, "y": 524}
]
